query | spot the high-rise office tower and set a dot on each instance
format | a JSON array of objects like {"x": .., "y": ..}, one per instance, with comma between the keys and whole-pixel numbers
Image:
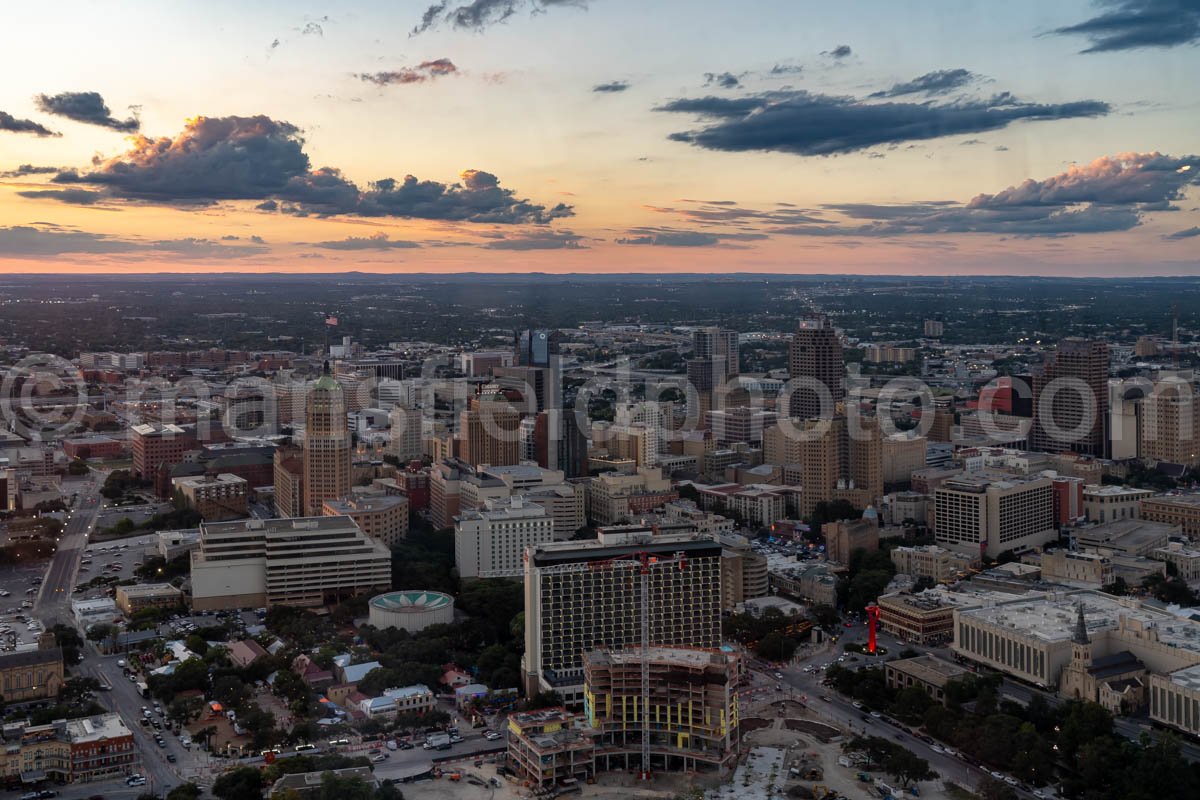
[
  {"x": 816, "y": 354},
  {"x": 1170, "y": 423},
  {"x": 490, "y": 433},
  {"x": 326, "y": 445},
  {"x": 537, "y": 348},
  {"x": 717, "y": 343},
  {"x": 1070, "y": 399},
  {"x": 836, "y": 458}
]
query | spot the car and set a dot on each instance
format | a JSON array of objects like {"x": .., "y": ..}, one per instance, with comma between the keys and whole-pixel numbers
[
  {"x": 391, "y": 744},
  {"x": 377, "y": 759},
  {"x": 876, "y": 715},
  {"x": 857, "y": 704},
  {"x": 30, "y": 796},
  {"x": 1010, "y": 780},
  {"x": 132, "y": 678},
  {"x": 121, "y": 664},
  {"x": 171, "y": 757},
  {"x": 938, "y": 749},
  {"x": 406, "y": 745},
  {"x": 778, "y": 676},
  {"x": 135, "y": 780},
  {"x": 997, "y": 774}
]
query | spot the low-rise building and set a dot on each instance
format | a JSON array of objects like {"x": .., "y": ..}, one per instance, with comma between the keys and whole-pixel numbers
[
  {"x": 308, "y": 784},
  {"x": 926, "y": 672},
  {"x": 132, "y": 599},
  {"x": 1186, "y": 560},
  {"x": 381, "y": 517},
  {"x": 845, "y": 536},
  {"x": 930, "y": 561},
  {"x": 1126, "y": 537},
  {"x": 214, "y": 497},
  {"x": 32, "y": 674},
  {"x": 1182, "y": 510},
  {"x": 811, "y": 582},
  {"x": 549, "y": 746},
  {"x": 924, "y": 618},
  {"x": 1107, "y": 503},
  {"x": 78, "y": 750},
  {"x": 1066, "y": 566}
]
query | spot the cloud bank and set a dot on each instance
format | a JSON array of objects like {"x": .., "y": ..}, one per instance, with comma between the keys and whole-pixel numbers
[
  {"x": 1133, "y": 24},
  {"x": 257, "y": 158}
]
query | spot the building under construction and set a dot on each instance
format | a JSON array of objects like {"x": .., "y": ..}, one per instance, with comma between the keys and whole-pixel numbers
[
  {"x": 616, "y": 593},
  {"x": 686, "y": 721}
]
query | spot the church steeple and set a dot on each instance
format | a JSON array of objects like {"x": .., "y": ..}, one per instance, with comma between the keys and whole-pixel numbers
[{"x": 1081, "y": 635}]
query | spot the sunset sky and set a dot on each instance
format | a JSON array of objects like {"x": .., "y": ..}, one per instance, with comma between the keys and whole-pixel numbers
[{"x": 1025, "y": 137}]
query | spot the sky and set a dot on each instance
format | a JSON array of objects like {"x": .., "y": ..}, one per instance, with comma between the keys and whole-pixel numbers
[{"x": 766, "y": 136}]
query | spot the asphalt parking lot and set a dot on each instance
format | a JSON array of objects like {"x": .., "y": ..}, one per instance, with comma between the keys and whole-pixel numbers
[
  {"x": 16, "y": 583},
  {"x": 100, "y": 558}
]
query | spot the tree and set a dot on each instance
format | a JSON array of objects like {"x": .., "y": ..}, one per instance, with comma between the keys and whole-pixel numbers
[
  {"x": 775, "y": 647},
  {"x": 911, "y": 703},
  {"x": 548, "y": 699},
  {"x": 101, "y": 632},
  {"x": 825, "y": 615},
  {"x": 196, "y": 644},
  {"x": 335, "y": 787},
  {"x": 184, "y": 791},
  {"x": 906, "y": 766},
  {"x": 240, "y": 783},
  {"x": 992, "y": 789}
]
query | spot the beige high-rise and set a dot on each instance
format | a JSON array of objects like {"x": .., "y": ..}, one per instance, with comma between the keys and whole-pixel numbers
[{"x": 326, "y": 446}]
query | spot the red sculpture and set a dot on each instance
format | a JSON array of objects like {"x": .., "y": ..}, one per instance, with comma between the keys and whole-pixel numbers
[{"x": 872, "y": 619}]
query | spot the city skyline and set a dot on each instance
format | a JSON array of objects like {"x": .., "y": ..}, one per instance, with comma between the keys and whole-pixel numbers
[{"x": 601, "y": 137}]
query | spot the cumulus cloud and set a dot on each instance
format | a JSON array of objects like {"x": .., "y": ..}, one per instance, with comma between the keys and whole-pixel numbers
[
  {"x": 538, "y": 240},
  {"x": 1188, "y": 233},
  {"x": 939, "y": 81},
  {"x": 425, "y": 71},
  {"x": 673, "y": 237},
  {"x": 611, "y": 86},
  {"x": 1133, "y": 24},
  {"x": 1112, "y": 193},
  {"x": 723, "y": 80},
  {"x": 44, "y": 239},
  {"x": 261, "y": 159},
  {"x": 13, "y": 125},
  {"x": 478, "y": 15},
  {"x": 86, "y": 107},
  {"x": 376, "y": 241},
  {"x": 805, "y": 123},
  {"x": 839, "y": 52}
]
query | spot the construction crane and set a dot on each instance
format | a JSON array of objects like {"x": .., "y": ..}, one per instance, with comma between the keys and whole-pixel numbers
[{"x": 645, "y": 563}]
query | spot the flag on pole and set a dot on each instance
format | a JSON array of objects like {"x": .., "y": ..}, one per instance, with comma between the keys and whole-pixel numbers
[{"x": 331, "y": 320}]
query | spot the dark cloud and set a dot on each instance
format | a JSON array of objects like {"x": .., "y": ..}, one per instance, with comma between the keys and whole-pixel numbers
[
  {"x": 29, "y": 169},
  {"x": 538, "y": 240},
  {"x": 810, "y": 124},
  {"x": 79, "y": 197},
  {"x": 478, "y": 197},
  {"x": 786, "y": 69},
  {"x": 261, "y": 159},
  {"x": 1133, "y": 24},
  {"x": 940, "y": 81},
  {"x": 673, "y": 237},
  {"x": 53, "y": 240},
  {"x": 723, "y": 80},
  {"x": 611, "y": 86},
  {"x": 13, "y": 125},
  {"x": 478, "y": 15},
  {"x": 86, "y": 107},
  {"x": 841, "y": 51},
  {"x": 425, "y": 71},
  {"x": 1184, "y": 234},
  {"x": 376, "y": 241},
  {"x": 1110, "y": 194}
]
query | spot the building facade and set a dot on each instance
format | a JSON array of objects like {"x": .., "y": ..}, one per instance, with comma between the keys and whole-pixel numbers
[
  {"x": 327, "y": 458},
  {"x": 490, "y": 542}
]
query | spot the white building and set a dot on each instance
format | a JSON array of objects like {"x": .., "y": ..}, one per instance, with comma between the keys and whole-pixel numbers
[
  {"x": 975, "y": 514},
  {"x": 489, "y": 542},
  {"x": 305, "y": 561}
]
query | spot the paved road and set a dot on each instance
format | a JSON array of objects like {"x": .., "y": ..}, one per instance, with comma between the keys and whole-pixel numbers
[{"x": 53, "y": 604}]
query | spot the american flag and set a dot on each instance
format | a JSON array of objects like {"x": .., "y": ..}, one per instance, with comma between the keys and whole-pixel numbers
[{"x": 331, "y": 320}]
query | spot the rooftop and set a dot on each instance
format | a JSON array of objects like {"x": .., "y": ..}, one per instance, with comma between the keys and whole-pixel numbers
[
  {"x": 149, "y": 590},
  {"x": 1177, "y": 499},
  {"x": 102, "y": 726},
  {"x": 1051, "y": 617},
  {"x": 929, "y": 669},
  {"x": 685, "y": 657},
  {"x": 414, "y": 601},
  {"x": 1110, "y": 490}
]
